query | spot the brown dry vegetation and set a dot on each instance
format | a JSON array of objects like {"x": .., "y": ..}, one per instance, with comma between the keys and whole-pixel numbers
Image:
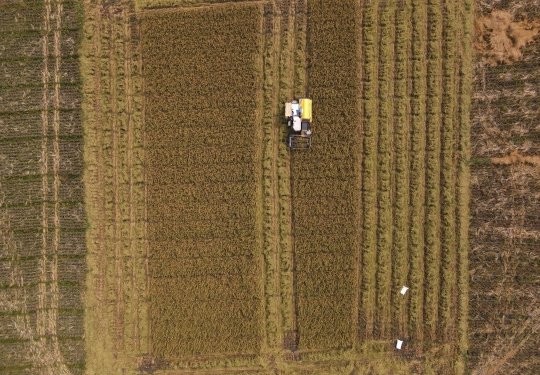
[
  {"x": 202, "y": 113},
  {"x": 42, "y": 219},
  {"x": 500, "y": 40},
  {"x": 504, "y": 228}
]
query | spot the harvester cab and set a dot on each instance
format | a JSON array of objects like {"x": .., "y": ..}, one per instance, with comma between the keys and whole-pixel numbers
[{"x": 298, "y": 115}]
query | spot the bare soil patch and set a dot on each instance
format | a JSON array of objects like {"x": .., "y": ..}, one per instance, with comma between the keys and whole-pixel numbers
[{"x": 500, "y": 39}]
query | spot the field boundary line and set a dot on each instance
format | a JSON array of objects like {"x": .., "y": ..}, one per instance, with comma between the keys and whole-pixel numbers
[
  {"x": 41, "y": 319},
  {"x": 464, "y": 184}
]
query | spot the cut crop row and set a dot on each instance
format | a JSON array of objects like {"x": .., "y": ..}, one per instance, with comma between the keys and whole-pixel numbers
[
  {"x": 433, "y": 169},
  {"x": 385, "y": 168},
  {"x": 369, "y": 170},
  {"x": 400, "y": 253}
]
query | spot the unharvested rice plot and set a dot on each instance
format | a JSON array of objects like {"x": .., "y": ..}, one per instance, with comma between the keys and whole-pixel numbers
[
  {"x": 325, "y": 208},
  {"x": 505, "y": 252},
  {"x": 203, "y": 92},
  {"x": 42, "y": 218}
]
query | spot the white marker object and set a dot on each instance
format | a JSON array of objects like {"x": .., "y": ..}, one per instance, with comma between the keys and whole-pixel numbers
[
  {"x": 404, "y": 290},
  {"x": 399, "y": 343}
]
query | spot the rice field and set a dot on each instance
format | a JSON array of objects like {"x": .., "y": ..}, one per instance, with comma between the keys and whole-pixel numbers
[{"x": 154, "y": 221}]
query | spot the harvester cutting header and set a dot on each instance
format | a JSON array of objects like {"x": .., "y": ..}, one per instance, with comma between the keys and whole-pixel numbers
[{"x": 298, "y": 114}]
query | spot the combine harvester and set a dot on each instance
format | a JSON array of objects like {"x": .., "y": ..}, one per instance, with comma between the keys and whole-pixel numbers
[{"x": 298, "y": 115}]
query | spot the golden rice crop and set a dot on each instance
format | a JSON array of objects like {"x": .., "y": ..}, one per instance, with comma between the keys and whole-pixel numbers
[
  {"x": 203, "y": 172},
  {"x": 326, "y": 175}
]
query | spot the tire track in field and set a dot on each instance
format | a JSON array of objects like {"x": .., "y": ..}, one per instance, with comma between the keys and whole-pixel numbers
[{"x": 286, "y": 66}]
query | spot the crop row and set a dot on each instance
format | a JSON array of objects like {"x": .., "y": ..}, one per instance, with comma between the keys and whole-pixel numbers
[
  {"x": 410, "y": 91},
  {"x": 208, "y": 81},
  {"x": 384, "y": 173},
  {"x": 417, "y": 170},
  {"x": 369, "y": 170},
  {"x": 324, "y": 318},
  {"x": 400, "y": 252}
]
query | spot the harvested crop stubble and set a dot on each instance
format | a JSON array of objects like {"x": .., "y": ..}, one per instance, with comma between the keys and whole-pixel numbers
[
  {"x": 206, "y": 82},
  {"x": 42, "y": 219},
  {"x": 325, "y": 319}
]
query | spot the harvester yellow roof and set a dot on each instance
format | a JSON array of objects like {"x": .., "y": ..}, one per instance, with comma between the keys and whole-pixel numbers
[{"x": 305, "y": 104}]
